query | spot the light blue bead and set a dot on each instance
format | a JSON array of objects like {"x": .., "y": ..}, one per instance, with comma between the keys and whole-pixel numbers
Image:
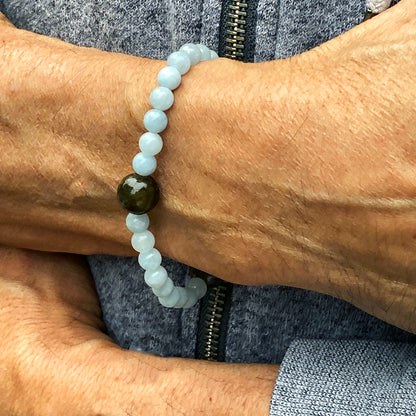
[
  {"x": 150, "y": 143},
  {"x": 156, "y": 278},
  {"x": 214, "y": 54},
  {"x": 198, "y": 285},
  {"x": 143, "y": 241},
  {"x": 150, "y": 260},
  {"x": 183, "y": 297},
  {"x": 180, "y": 60},
  {"x": 164, "y": 290},
  {"x": 137, "y": 223},
  {"x": 169, "y": 77},
  {"x": 193, "y": 52},
  {"x": 192, "y": 299},
  {"x": 205, "y": 52},
  {"x": 170, "y": 301},
  {"x": 161, "y": 98},
  {"x": 144, "y": 164},
  {"x": 155, "y": 121}
]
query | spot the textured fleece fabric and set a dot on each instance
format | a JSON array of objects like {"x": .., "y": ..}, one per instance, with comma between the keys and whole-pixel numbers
[{"x": 338, "y": 360}]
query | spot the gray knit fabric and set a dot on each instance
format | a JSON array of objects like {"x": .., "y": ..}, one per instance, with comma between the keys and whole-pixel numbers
[
  {"x": 264, "y": 321},
  {"x": 344, "y": 378}
]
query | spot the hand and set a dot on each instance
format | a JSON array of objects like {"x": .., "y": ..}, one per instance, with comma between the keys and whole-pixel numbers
[{"x": 56, "y": 360}]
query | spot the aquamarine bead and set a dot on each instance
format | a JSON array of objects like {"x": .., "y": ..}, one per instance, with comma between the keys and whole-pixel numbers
[
  {"x": 143, "y": 241},
  {"x": 170, "y": 301},
  {"x": 150, "y": 143},
  {"x": 150, "y": 260},
  {"x": 205, "y": 52},
  {"x": 169, "y": 77},
  {"x": 161, "y": 98},
  {"x": 192, "y": 299},
  {"x": 155, "y": 121},
  {"x": 214, "y": 54},
  {"x": 192, "y": 51},
  {"x": 180, "y": 60},
  {"x": 198, "y": 285},
  {"x": 137, "y": 223},
  {"x": 156, "y": 278},
  {"x": 183, "y": 297},
  {"x": 144, "y": 164},
  {"x": 164, "y": 290}
]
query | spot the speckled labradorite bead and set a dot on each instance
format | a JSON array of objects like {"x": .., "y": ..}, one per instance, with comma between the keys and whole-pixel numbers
[{"x": 138, "y": 194}]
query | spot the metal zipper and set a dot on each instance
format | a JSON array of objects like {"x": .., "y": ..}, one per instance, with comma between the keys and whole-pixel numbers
[
  {"x": 236, "y": 42},
  {"x": 237, "y": 36},
  {"x": 213, "y": 321},
  {"x": 236, "y": 23}
]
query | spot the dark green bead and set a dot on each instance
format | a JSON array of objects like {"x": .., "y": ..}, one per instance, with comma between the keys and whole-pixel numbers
[{"x": 138, "y": 194}]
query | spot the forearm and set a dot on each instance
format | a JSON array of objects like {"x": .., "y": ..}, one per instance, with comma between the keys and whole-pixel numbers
[
  {"x": 312, "y": 170},
  {"x": 277, "y": 173},
  {"x": 66, "y": 138},
  {"x": 347, "y": 169},
  {"x": 54, "y": 359}
]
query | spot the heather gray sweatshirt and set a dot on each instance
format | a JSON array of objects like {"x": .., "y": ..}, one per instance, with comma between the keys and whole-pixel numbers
[{"x": 336, "y": 359}]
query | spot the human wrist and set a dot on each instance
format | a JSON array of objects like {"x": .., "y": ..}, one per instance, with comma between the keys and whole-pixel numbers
[
  {"x": 194, "y": 386},
  {"x": 214, "y": 150}
]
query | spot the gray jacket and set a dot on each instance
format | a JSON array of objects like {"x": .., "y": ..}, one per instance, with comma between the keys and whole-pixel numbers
[{"x": 336, "y": 359}]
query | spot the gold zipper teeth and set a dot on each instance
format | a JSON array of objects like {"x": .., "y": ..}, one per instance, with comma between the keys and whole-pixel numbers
[
  {"x": 233, "y": 48},
  {"x": 236, "y": 25},
  {"x": 236, "y": 37},
  {"x": 237, "y": 21},
  {"x": 237, "y": 14},
  {"x": 213, "y": 323}
]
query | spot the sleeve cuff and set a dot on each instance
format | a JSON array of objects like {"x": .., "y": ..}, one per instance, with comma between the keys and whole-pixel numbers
[{"x": 346, "y": 378}]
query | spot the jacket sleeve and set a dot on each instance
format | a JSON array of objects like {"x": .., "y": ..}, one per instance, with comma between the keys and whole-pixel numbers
[{"x": 346, "y": 378}]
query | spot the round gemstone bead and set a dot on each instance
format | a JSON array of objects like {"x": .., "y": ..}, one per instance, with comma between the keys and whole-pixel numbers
[
  {"x": 155, "y": 120},
  {"x": 183, "y": 297},
  {"x": 193, "y": 52},
  {"x": 161, "y": 98},
  {"x": 214, "y": 54},
  {"x": 180, "y": 60},
  {"x": 143, "y": 241},
  {"x": 144, "y": 164},
  {"x": 171, "y": 300},
  {"x": 169, "y": 77},
  {"x": 138, "y": 194},
  {"x": 156, "y": 278},
  {"x": 151, "y": 259},
  {"x": 198, "y": 285},
  {"x": 150, "y": 143},
  {"x": 192, "y": 299},
  {"x": 137, "y": 223},
  {"x": 164, "y": 290},
  {"x": 205, "y": 52}
]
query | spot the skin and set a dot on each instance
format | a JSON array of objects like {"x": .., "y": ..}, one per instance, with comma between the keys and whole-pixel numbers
[
  {"x": 307, "y": 173},
  {"x": 56, "y": 360}
]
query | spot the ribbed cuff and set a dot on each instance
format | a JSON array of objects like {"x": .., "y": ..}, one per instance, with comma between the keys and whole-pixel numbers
[{"x": 346, "y": 378}]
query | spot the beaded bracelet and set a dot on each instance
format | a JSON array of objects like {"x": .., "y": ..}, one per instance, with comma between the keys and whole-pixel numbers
[{"x": 139, "y": 192}]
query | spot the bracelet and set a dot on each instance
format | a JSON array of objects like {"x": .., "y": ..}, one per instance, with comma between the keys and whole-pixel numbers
[{"x": 139, "y": 192}]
